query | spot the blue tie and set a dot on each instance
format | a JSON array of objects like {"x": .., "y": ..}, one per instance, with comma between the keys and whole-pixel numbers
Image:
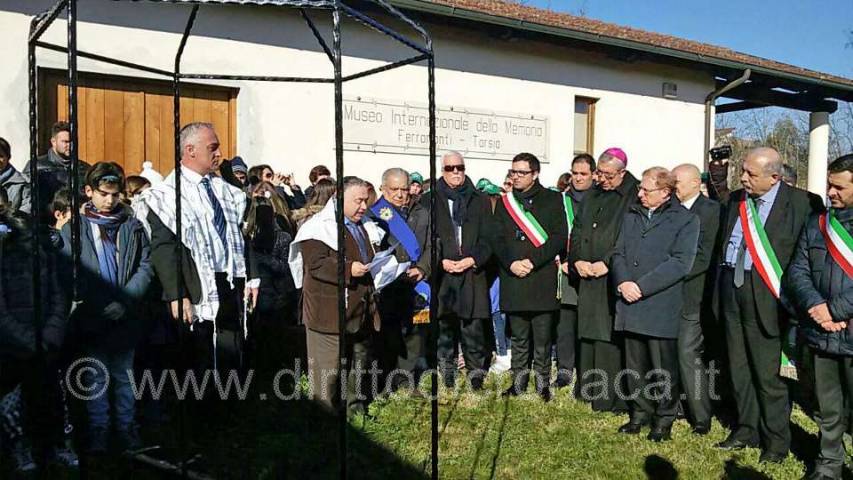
[
  {"x": 218, "y": 214},
  {"x": 359, "y": 239}
]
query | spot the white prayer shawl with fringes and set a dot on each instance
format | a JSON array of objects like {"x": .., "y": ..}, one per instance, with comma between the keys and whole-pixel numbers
[{"x": 198, "y": 231}]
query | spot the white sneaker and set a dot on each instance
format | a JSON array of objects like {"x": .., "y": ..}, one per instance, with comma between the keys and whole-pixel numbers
[{"x": 502, "y": 363}]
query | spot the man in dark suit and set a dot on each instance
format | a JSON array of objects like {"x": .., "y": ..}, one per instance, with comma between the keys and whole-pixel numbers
[
  {"x": 763, "y": 223},
  {"x": 530, "y": 231},
  {"x": 464, "y": 309},
  {"x": 691, "y": 338}
]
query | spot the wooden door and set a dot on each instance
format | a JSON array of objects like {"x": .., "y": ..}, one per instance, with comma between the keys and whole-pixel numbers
[{"x": 131, "y": 120}]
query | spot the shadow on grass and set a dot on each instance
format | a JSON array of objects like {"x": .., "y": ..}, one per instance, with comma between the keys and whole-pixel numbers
[
  {"x": 501, "y": 431},
  {"x": 659, "y": 468},
  {"x": 733, "y": 471},
  {"x": 286, "y": 440}
]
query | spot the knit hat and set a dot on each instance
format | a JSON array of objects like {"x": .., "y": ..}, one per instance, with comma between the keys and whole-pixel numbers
[
  {"x": 238, "y": 165},
  {"x": 150, "y": 174},
  {"x": 617, "y": 152},
  {"x": 487, "y": 187},
  {"x": 416, "y": 177}
]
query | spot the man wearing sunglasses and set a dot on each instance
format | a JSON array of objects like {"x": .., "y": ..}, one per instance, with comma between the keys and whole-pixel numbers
[
  {"x": 464, "y": 309},
  {"x": 530, "y": 232}
]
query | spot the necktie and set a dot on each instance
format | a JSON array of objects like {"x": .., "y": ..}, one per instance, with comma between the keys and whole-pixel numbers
[
  {"x": 740, "y": 261},
  {"x": 218, "y": 214},
  {"x": 740, "y": 264},
  {"x": 359, "y": 239}
]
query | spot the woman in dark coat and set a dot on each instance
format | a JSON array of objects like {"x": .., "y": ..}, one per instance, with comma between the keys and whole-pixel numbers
[{"x": 270, "y": 230}]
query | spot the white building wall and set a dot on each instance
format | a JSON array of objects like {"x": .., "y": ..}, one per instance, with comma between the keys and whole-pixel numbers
[{"x": 291, "y": 125}]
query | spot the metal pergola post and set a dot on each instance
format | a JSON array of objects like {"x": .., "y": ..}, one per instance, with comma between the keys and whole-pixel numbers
[{"x": 338, "y": 8}]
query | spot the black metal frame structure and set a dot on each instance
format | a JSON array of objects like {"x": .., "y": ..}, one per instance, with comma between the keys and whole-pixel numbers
[{"x": 338, "y": 9}]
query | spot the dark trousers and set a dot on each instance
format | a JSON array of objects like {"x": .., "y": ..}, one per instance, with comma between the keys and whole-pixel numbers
[
  {"x": 475, "y": 336},
  {"x": 834, "y": 389},
  {"x": 652, "y": 377},
  {"x": 754, "y": 359},
  {"x": 598, "y": 374},
  {"x": 229, "y": 331},
  {"x": 567, "y": 343},
  {"x": 400, "y": 344},
  {"x": 531, "y": 336},
  {"x": 694, "y": 375},
  {"x": 323, "y": 365},
  {"x": 41, "y": 396}
]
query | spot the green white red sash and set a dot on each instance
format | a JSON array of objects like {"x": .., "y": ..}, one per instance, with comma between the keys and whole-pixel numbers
[
  {"x": 525, "y": 220},
  {"x": 763, "y": 257},
  {"x": 838, "y": 241},
  {"x": 570, "y": 211}
]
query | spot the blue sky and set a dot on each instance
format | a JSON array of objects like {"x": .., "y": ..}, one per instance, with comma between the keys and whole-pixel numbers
[{"x": 807, "y": 33}]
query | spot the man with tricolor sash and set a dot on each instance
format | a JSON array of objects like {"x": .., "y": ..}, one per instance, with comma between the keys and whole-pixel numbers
[
  {"x": 819, "y": 283},
  {"x": 530, "y": 232},
  {"x": 583, "y": 165},
  {"x": 763, "y": 223},
  {"x": 403, "y": 304}
]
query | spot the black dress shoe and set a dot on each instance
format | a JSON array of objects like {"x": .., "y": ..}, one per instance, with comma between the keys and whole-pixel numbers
[
  {"x": 732, "y": 443},
  {"x": 702, "y": 429},
  {"x": 511, "y": 392},
  {"x": 545, "y": 394},
  {"x": 632, "y": 428},
  {"x": 772, "y": 457},
  {"x": 562, "y": 381},
  {"x": 660, "y": 434}
]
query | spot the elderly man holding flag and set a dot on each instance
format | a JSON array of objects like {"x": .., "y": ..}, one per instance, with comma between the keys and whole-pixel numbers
[
  {"x": 820, "y": 284},
  {"x": 531, "y": 232},
  {"x": 403, "y": 304}
]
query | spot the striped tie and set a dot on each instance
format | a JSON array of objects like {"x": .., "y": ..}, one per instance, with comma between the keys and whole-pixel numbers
[{"x": 218, "y": 214}]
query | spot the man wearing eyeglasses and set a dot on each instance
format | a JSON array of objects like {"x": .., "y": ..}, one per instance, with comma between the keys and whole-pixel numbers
[
  {"x": 464, "y": 309},
  {"x": 530, "y": 232},
  {"x": 655, "y": 252},
  {"x": 593, "y": 236}
]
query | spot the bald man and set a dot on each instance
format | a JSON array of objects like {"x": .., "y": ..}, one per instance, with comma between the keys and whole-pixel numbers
[
  {"x": 691, "y": 338},
  {"x": 763, "y": 223}
]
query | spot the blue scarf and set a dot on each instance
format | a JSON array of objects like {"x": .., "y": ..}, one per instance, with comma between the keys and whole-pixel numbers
[{"x": 109, "y": 224}]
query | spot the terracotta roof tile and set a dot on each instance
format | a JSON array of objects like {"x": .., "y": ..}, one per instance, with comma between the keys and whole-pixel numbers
[{"x": 541, "y": 16}]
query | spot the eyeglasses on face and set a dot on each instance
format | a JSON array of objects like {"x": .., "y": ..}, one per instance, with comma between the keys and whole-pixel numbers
[
  {"x": 650, "y": 190},
  {"x": 454, "y": 168},
  {"x": 519, "y": 173},
  {"x": 609, "y": 175}
]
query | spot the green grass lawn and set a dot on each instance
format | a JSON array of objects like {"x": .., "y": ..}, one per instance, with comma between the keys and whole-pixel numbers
[
  {"x": 482, "y": 436},
  {"x": 487, "y": 436}
]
